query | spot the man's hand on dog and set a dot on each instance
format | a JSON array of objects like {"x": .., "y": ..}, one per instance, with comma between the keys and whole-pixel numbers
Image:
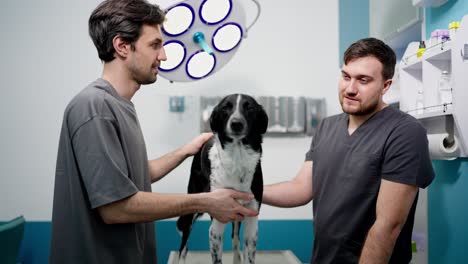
[
  {"x": 195, "y": 145},
  {"x": 225, "y": 208}
]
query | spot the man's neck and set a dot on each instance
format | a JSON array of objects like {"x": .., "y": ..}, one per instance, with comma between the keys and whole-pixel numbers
[
  {"x": 356, "y": 121},
  {"x": 119, "y": 77}
]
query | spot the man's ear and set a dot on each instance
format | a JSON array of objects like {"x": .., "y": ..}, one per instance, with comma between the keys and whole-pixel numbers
[
  {"x": 387, "y": 85},
  {"x": 121, "y": 47}
]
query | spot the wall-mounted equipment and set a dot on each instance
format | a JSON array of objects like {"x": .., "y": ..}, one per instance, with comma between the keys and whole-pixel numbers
[
  {"x": 397, "y": 22},
  {"x": 433, "y": 89},
  {"x": 286, "y": 115},
  {"x": 201, "y": 36},
  {"x": 177, "y": 104}
]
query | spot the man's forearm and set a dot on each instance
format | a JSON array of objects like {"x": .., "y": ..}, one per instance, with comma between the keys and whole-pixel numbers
[
  {"x": 295, "y": 192},
  {"x": 160, "y": 167},
  {"x": 379, "y": 244},
  {"x": 147, "y": 207},
  {"x": 286, "y": 194}
]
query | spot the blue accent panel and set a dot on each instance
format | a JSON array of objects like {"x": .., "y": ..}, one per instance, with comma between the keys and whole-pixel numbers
[
  {"x": 36, "y": 243},
  {"x": 353, "y": 23},
  {"x": 295, "y": 235},
  {"x": 440, "y": 17},
  {"x": 447, "y": 212}
]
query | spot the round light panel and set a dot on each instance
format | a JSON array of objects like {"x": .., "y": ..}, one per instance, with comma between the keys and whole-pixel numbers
[
  {"x": 200, "y": 64},
  {"x": 175, "y": 53},
  {"x": 227, "y": 37},
  {"x": 178, "y": 20},
  {"x": 215, "y": 11}
]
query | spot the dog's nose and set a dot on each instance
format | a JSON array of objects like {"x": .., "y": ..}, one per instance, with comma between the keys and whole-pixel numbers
[{"x": 237, "y": 125}]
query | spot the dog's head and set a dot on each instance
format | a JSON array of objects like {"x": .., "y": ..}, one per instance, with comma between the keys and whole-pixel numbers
[{"x": 238, "y": 116}]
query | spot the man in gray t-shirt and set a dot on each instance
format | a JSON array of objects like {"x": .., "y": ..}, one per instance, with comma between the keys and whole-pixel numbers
[
  {"x": 101, "y": 159},
  {"x": 363, "y": 170},
  {"x": 103, "y": 208}
]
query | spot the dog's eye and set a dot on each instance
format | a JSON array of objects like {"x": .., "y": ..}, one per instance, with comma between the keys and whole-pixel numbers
[
  {"x": 248, "y": 106},
  {"x": 227, "y": 106}
]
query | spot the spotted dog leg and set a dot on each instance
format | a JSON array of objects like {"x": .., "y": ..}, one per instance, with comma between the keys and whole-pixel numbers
[
  {"x": 250, "y": 235},
  {"x": 216, "y": 241},
  {"x": 236, "y": 243}
]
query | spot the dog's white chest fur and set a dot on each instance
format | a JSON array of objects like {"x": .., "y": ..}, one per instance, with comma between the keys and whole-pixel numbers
[{"x": 232, "y": 167}]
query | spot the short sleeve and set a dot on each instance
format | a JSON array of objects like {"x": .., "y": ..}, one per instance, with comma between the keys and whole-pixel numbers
[
  {"x": 309, "y": 156},
  {"x": 102, "y": 164},
  {"x": 406, "y": 156}
]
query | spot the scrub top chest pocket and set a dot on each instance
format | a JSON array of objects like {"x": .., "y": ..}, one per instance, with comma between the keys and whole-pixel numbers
[{"x": 363, "y": 172}]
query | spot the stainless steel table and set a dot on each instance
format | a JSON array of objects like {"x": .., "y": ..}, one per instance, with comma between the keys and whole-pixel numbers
[{"x": 261, "y": 257}]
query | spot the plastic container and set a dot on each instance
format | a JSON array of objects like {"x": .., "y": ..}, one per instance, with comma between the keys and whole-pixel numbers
[
  {"x": 445, "y": 89},
  {"x": 422, "y": 48},
  {"x": 453, "y": 27},
  {"x": 444, "y": 35}
]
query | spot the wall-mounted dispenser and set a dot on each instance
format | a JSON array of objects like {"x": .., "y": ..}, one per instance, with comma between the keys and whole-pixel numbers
[
  {"x": 296, "y": 114},
  {"x": 277, "y": 111},
  {"x": 176, "y": 104},
  {"x": 286, "y": 115},
  {"x": 315, "y": 111},
  {"x": 433, "y": 89}
]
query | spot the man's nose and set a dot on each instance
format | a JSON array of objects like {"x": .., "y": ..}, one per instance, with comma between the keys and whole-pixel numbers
[
  {"x": 351, "y": 87},
  {"x": 162, "y": 54}
]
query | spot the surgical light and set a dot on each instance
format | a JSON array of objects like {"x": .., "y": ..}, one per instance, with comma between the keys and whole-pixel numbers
[{"x": 201, "y": 36}]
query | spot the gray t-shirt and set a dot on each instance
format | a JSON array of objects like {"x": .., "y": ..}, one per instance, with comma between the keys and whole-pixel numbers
[
  {"x": 101, "y": 159},
  {"x": 347, "y": 172}
]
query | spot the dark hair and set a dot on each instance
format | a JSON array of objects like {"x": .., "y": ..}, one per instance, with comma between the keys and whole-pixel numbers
[
  {"x": 376, "y": 48},
  {"x": 120, "y": 17}
]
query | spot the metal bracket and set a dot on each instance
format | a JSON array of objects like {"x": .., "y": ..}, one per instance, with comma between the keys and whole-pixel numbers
[
  {"x": 259, "y": 10},
  {"x": 464, "y": 52}
]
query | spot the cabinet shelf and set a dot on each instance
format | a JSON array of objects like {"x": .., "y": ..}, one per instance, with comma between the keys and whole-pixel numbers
[
  {"x": 440, "y": 51},
  {"x": 414, "y": 65},
  {"x": 431, "y": 114},
  {"x": 433, "y": 86}
]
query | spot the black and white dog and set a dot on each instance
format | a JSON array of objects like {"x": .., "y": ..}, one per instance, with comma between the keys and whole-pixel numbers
[{"x": 230, "y": 159}]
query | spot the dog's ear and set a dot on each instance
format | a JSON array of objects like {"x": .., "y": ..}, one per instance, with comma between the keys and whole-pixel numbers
[
  {"x": 215, "y": 122},
  {"x": 262, "y": 120}
]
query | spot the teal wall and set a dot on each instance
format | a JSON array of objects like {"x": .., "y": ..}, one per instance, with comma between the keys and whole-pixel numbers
[
  {"x": 448, "y": 194},
  {"x": 353, "y": 23},
  {"x": 448, "y": 212},
  {"x": 440, "y": 17},
  {"x": 295, "y": 235}
]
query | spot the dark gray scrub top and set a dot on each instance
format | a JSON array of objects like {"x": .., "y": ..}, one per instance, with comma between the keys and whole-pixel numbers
[
  {"x": 101, "y": 159},
  {"x": 347, "y": 172}
]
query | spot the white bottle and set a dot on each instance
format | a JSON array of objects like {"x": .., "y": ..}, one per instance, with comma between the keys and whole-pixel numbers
[{"x": 445, "y": 89}]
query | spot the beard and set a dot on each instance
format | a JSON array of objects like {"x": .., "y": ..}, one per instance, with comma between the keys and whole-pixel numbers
[
  {"x": 147, "y": 80},
  {"x": 142, "y": 76},
  {"x": 362, "y": 110}
]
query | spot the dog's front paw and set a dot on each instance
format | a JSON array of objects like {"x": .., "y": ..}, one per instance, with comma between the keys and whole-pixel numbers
[{"x": 237, "y": 258}]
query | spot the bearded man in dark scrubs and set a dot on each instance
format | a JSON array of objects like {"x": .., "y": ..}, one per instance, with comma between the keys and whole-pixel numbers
[{"x": 364, "y": 168}]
